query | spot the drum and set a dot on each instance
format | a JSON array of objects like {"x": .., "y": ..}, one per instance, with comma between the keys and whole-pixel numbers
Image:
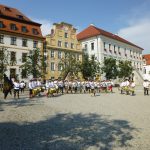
[
  {"x": 52, "y": 90},
  {"x": 34, "y": 91}
]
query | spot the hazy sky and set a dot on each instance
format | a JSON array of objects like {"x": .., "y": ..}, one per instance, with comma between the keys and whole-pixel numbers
[{"x": 129, "y": 19}]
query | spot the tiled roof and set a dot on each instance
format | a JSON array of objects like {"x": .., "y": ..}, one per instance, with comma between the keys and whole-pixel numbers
[
  {"x": 147, "y": 58},
  {"x": 10, "y": 16},
  {"x": 12, "y": 12},
  {"x": 92, "y": 31}
]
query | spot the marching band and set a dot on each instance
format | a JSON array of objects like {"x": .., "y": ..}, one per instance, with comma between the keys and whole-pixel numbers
[{"x": 57, "y": 86}]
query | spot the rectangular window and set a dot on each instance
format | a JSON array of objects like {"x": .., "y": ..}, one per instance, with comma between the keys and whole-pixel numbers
[
  {"x": 104, "y": 45},
  {"x": 1, "y": 39},
  {"x": 35, "y": 44},
  {"x": 24, "y": 42},
  {"x": 1, "y": 24},
  {"x": 66, "y": 44},
  {"x": 24, "y": 29},
  {"x": 52, "y": 66},
  {"x": 66, "y": 35},
  {"x": 59, "y": 67},
  {"x": 12, "y": 73},
  {"x": 13, "y": 27},
  {"x": 115, "y": 49},
  {"x": 59, "y": 54},
  {"x": 52, "y": 53},
  {"x": 34, "y": 31},
  {"x": 20, "y": 16},
  {"x": 13, "y": 40},
  {"x": 72, "y": 45},
  {"x": 92, "y": 46},
  {"x": 13, "y": 56},
  {"x": 24, "y": 57},
  {"x": 85, "y": 46},
  {"x": 109, "y": 47},
  {"x": 23, "y": 73},
  {"x": 59, "y": 43}
]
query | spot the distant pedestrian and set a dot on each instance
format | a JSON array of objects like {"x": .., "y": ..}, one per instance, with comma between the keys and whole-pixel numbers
[
  {"x": 16, "y": 88},
  {"x": 146, "y": 87},
  {"x": 22, "y": 86}
]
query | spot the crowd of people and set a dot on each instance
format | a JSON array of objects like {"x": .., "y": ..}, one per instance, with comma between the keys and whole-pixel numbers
[{"x": 54, "y": 87}]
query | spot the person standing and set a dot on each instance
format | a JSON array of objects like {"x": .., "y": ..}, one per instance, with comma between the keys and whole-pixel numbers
[
  {"x": 30, "y": 89},
  {"x": 16, "y": 88},
  {"x": 22, "y": 86},
  {"x": 132, "y": 87},
  {"x": 146, "y": 87}
]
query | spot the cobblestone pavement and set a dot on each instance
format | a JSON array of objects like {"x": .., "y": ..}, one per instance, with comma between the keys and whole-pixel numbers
[{"x": 76, "y": 122}]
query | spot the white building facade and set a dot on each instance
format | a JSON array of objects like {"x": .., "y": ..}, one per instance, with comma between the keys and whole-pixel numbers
[
  {"x": 104, "y": 45},
  {"x": 18, "y": 35},
  {"x": 18, "y": 48}
]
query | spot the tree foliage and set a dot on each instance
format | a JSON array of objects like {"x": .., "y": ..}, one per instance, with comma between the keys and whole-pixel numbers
[
  {"x": 34, "y": 63},
  {"x": 4, "y": 56},
  {"x": 110, "y": 68},
  {"x": 125, "y": 69},
  {"x": 70, "y": 66},
  {"x": 89, "y": 67}
]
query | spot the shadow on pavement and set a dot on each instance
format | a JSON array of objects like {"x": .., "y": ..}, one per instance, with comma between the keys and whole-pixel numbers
[{"x": 67, "y": 132}]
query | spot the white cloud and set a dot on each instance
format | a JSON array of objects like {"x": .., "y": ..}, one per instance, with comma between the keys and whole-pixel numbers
[
  {"x": 46, "y": 25},
  {"x": 138, "y": 33},
  {"x": 137, "y": 30}
]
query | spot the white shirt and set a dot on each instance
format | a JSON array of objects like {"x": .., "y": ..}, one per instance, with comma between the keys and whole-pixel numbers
[
  {"x": 22, "y": 85},
  {"x": 16, "y": 86},
  {"x": 132, "y": 84},
  {"x": 146, "y": 84},
  {"x": 30, "y": 85}
]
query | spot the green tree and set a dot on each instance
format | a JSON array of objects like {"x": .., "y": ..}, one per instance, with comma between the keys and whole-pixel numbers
[
  {"x": 125, "y": 69},
  {"x": 89, "y": 67},
  {"x": 34, "y": 64},
  {"x": 110, "y": 68},
  {"x": 70, "y": 66},
  {"x": 4, "y": 56}
]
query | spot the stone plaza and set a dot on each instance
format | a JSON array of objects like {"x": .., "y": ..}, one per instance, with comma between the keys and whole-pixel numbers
[{"x": 108, "y": 121}]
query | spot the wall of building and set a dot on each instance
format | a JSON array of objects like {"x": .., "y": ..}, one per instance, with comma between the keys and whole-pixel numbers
[
  {"x": 58, "y": 35},
  {"x": 121, "y": 51},
  {"x": 19, "y": 49}
]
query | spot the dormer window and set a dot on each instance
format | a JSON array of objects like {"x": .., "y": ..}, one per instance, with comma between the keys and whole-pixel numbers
[
  {"x": 13, "y": 26},
  {"x": 34, "y": 31},
  {"x": 1, "y": 24},
  {"x": 24, "y": 29},
  {"x": 7, "y": 8},
  {"x": 20, "y": 16}
]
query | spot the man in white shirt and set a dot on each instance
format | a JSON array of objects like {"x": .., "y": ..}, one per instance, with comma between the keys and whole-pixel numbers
[
  {"x": 146, "y": 87},
  {"x": 16, "y": 88},
  {"x": 30, "y": 88}
]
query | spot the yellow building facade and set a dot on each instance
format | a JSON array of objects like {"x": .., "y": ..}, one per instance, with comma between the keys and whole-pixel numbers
[{"x": 61, "y": 42}]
